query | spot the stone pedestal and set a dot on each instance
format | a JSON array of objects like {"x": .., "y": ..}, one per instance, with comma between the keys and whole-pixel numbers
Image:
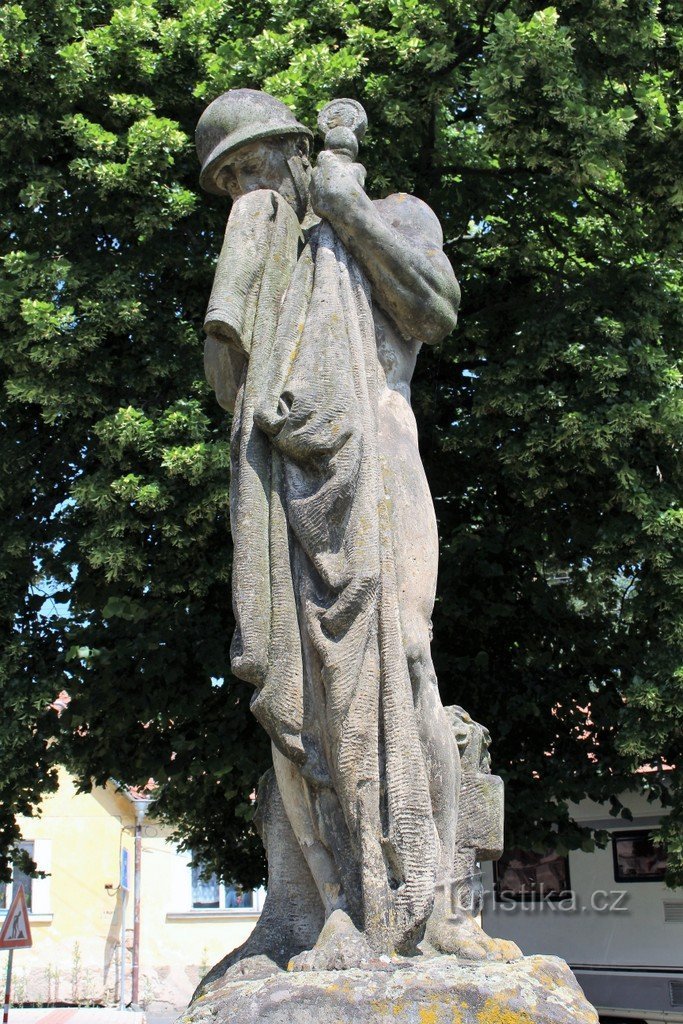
[{"x": 439, "y": 990}]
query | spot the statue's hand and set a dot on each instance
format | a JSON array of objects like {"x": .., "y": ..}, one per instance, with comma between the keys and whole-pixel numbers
[{"x": 336, "y": 183}]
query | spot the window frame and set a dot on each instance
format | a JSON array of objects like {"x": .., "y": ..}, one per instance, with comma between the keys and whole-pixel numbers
[
  {"x": 257, "y": 899},
  {"x": 29, "y": 846},
  {"x": 634, "y": 833},
  {"x": 531, "y": 896}
]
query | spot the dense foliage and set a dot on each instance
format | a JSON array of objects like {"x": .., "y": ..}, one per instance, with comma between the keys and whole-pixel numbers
[{"x": 550, "y": 143}]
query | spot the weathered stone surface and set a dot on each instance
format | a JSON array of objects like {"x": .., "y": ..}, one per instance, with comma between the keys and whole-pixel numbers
[
  {"x": 381, "y": 803},
  {"x": 321, "y": 301},
  {"x": 535, "y": 990},
  {"x": 479, "y": 834}
]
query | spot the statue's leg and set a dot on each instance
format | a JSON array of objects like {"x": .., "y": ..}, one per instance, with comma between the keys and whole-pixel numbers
[
  {"x": 299, "y": 803},
  {"x": 416, "y": 556},
  {"x": 450, "y": 929},
  {"x": 340, "y": 945}
]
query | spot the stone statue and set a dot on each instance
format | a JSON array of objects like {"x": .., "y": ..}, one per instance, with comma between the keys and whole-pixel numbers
[{"x": 380, "y": 802}]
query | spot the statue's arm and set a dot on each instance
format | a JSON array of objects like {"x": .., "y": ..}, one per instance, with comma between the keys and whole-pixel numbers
[{"x": 398, "y": 243}]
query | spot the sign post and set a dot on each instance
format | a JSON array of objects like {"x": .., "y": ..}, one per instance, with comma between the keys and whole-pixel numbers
[
  {"x": 15, "y": 934},
  {"x": 124, "y": 887},
  {"x": 8, "y": 987}
]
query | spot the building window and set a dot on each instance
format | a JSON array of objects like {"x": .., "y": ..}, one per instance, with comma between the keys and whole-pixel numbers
[
  {"x": 210, "y": 894},
  {"x": 523, "y": 875},
  {"x": 637, "y": 858},
  {"x": 8, "y": 890}
]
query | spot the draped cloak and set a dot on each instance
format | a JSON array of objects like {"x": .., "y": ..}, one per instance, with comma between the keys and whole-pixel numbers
[{"x": 314, "y": 584}]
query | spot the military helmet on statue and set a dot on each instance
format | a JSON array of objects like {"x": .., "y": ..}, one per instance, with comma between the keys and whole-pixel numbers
[{"x": 233, "y": 119}]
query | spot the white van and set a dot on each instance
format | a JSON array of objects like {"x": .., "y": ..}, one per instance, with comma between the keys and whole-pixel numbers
[{"x": 607, "y": 913}]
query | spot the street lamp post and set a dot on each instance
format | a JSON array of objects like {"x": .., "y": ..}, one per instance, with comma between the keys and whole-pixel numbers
[{"x": 141, "y": 805}]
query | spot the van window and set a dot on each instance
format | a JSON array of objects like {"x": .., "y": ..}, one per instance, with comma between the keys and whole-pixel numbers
[
  {"x": 637, "y": 858},
  {"x": 524, "y": 875}
]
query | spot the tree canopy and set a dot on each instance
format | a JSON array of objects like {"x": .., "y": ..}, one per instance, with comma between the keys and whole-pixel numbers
[{"x": 549, "y": 142}]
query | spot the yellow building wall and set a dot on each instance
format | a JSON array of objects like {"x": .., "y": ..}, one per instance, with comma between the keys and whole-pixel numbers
[
  {"x": 76, "y": 917},
  {"x": 178, "y": 945}
]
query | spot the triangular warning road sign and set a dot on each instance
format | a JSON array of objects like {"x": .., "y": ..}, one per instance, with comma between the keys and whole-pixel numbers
[{"x": 16, "y": 931}]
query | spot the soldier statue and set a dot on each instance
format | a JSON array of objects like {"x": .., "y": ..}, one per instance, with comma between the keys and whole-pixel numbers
[{"x": 321, "y": 301}]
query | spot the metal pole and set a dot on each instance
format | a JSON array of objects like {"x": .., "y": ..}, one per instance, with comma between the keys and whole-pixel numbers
[
  {"x": 135, "y": 984},
  {"x": 8, "y": 986},
  {"x": 122, "y": 953}
]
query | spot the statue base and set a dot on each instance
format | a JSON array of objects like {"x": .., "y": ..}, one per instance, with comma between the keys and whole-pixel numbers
[{"x": 423, "y": 990}]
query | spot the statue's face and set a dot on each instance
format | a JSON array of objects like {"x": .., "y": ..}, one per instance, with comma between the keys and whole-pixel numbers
[{"x": 264, "y": 164}]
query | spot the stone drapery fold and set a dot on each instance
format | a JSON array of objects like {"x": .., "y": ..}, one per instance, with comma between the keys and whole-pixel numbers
[{"x": 313, "y": 562}]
